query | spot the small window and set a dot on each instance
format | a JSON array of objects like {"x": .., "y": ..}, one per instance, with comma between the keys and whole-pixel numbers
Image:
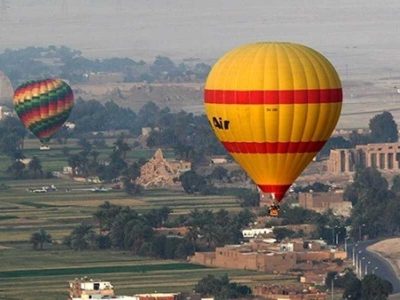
[{"x": 96, "y": 286}]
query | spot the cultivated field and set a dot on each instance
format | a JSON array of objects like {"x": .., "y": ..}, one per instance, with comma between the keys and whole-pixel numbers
[
  {"x": 28, "y": 274},
  {"x": 44, "y": 275}
]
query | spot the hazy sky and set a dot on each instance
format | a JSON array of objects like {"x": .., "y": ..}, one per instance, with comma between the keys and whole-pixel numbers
[{"x": 358, "y": 36}]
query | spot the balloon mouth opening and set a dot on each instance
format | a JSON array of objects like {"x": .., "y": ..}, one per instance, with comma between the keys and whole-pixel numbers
[
  {"x": 277, "y": 191},
  {"x": 44, "y": 142}
]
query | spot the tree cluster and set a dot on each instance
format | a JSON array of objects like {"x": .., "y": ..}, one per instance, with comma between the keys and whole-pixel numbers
[
  {"x": 221, "y": 288},
  {"x": 86, "y": 163},
  {"x": 126, "y": 229},
  {"x": 39, "y": 239},
  {"x": 208, "y": 230},
  {"x": 188, "y": 135},
  {"x": 93, "y": 116},
  {"x": 328, "y": 226},
  {"x": 12, "y": 134},
  {"x": 382, "y": 127},
  {"x": 371, "y": 287},
  {"x": 33, "y": 170},
  {"x": 33, "y": 62},
  {"x": 194, "y": 183},
  {"x": 376, "y": 208},
  {"x": 315, "y": 187}
]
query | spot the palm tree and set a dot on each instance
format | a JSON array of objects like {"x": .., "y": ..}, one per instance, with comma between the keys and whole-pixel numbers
[
  {"x": 17, "y": 169},
  {"x": 121, "y": 147},
  {"x": 39, "y": 238},
  {"x": 192, "y": 236},
  {"x": 83, "y": 237},
  {"x": 210, "y": 234},
  {"x": 74, "y": 162},
  {"x": 35, "y": 166}
]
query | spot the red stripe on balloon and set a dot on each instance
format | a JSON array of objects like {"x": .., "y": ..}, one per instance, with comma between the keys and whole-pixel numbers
[
  {"x": 278, "y": 190},
  {"x": 277, "y": 147},
  {"x": 273, "y": 97}
]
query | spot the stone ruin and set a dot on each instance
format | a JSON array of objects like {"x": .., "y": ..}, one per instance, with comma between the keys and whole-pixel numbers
[{"x": 158, "y": 172}]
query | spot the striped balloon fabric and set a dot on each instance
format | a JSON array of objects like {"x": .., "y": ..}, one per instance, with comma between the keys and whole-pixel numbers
[
  {"x": 273, "y": 106},
  {"x": 43, "y": 106}
]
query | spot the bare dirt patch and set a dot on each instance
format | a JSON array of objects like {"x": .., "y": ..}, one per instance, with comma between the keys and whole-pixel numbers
[{"x": 390, "y": 250}]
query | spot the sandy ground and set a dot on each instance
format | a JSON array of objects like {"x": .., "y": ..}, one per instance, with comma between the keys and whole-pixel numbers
[{"x": 390, "y": 250}]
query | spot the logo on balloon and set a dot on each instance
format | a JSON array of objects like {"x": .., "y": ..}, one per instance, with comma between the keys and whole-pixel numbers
[{"x": 220, "y": 124}]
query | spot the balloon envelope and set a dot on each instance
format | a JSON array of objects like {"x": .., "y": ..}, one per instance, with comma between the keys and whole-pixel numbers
[
  {"x": 43, "y": 106},
  {"x": 273, "y": 106}
]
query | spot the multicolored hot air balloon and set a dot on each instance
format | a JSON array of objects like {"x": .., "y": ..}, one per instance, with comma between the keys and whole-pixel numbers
[
  {"x": 273, "y": 105},
  {"x": 43, "y": 106}
]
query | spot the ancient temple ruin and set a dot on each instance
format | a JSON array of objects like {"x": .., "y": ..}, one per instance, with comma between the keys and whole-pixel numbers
[
  {"x": 159, "y": 172},
  {"x": 384, "y": 157}
]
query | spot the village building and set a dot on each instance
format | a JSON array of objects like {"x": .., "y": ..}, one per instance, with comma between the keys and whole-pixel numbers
[
  {"x": 172, "y": 231},
  {"x": 294, "y": 292},
  {"x": 323, "y": 201},
  {"x": 257, "y": 232},
  {"x": 384, "y": 157},
  {"x": 85, "y": 289},
  {"x": 272, "y": 258},
  {"x": 313, "y": 278},
  {"x": 218, "y": 160},
  {"x": 160, "y": 172}
]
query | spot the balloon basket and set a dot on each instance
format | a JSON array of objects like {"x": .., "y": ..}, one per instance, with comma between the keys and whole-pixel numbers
[
  {"x": 274, "y": 210},
  {"x": 44, "y": 148}
]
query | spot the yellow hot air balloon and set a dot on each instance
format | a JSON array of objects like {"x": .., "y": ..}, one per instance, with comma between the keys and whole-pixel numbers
[{"x": 273, "y": 105}]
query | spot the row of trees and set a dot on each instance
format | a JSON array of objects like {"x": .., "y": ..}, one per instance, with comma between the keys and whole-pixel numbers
[
  {"x": 23, "y": 64},
  {"x": 125, "y": 229},
  {"x": 376, "y": 207},
  {"x": 188, "y": 135},
  {"x": 371, "y": 287},
  {"x": 221, "y": 288},
  {"x": 382, "y": 127},
  {"x": 12, "y": 134},
  {"x": 32, "y": 170},
  {"x": 86, "y": 163},
  {"x": 194, "y": 183},
  {"x": 328, "y": 226}
]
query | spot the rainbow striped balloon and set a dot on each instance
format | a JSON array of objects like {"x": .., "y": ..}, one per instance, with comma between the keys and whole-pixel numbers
[
  {"x": 273, "y": 106},
  {"x": 43, "y": 106}
]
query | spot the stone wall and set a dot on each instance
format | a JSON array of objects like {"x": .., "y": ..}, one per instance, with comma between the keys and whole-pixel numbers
[{"x": 384, "y": 157}]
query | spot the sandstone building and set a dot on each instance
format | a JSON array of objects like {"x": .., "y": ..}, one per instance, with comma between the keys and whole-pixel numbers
[
  {"x": 269, "y": 258},
  {"x": 281, "y": 292},
  {"x": 159, "y": 172},
  {"x": 384, "y": 157},
  {"x": 321, "y": 202}
]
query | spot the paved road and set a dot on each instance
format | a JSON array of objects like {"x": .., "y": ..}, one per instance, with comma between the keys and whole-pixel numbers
[{"x": 372, "y": 263}]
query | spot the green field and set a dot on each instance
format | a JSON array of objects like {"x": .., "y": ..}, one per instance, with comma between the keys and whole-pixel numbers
[{"x": 29, "y": 274}]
